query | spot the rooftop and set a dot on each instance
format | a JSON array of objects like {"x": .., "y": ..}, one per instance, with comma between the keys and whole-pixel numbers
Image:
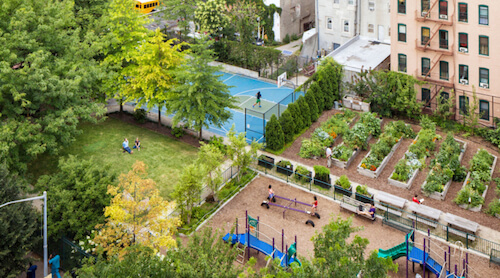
[{"x": 360, "y": 52}]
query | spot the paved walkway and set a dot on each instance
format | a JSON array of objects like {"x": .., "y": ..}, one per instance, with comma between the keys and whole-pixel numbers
[{"x": 483, "y": 231}]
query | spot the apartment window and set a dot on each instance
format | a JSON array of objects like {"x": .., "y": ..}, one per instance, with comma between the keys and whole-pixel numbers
[
  {"x": 335, "y": 1},
  {"x": 462, "y": 12},
  {"x": 426, "y": 97},
  {"x": 443, "y": 39},
  {"x": 463, "y": 74},
  {"x": 443, "y": 9},
  {"x": 426, "y": 67},
  {"x": 484, "y": 48},
  {"x": 444, "y": 97},
  {"x": 444, "y": 71},
  {"x": 329, "y": 23},
  {"x": 401, "y": 32},
  {"x": 484, "y": 110},
  {"x": 402, "y": 6},
  {"x": 370, "y": 28},
  {"x": 484, "y": 78},
  {"x": 371, "y": 5},
  {"x": 463, "y": 42},
  {"x": 346, "y": 25},
  {"x": 426, "y": 6},
  {"x": 463, "y": 105},
  {"x": 483, "y": 15},
  {"x": 402, "y": 62},
  {"x": 351, "y": 2},
  {"x": 426, "y": 36}
]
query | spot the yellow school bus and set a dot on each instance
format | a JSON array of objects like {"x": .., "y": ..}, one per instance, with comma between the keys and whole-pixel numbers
[{"x": 146, "y": 6}]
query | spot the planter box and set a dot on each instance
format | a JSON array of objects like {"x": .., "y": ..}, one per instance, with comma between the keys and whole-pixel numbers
[
  {"x": 478, "y": 208},
  {"x": 324, "y": 184},
  {"x": 341, "y": 190},
  {"x": 266, "y": 162},
  {"x": 350, "y": 124},
  {"x": 288, "y": 170},
  {"x": 307, "y": 178},
  {"x": 442, "y": 195},
  {"x": 376, "y": 173},
  {"x": 345, "y": 164},
  {"x": 406, "y": 185},
  {"x": 365, "y": 199},
  {"x": 351, "y": 103}
]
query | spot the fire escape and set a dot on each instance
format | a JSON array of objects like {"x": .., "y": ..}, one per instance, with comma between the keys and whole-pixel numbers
[{"x": 435, "y": 17}]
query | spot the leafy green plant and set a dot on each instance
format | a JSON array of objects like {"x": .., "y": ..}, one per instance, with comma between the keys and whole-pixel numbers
[
  {"x": 363, "y": 190},
  {"x": 311, "y": 148},
  {"x": 470, "y": 197},
  {"x": 342, "y": 152},
  {"x": 302, "y": 174},
  {"x": 321, "y": 173},
  {"x": 286, "y": 39},
  {"x": 219, "y": 143},
  {"x": 295, "y": 37},
  {"x": 479, "y": 178},
  {"x": 178, "y": 132},
  {"x": 140, "y": 115},
  {"x": 494, "y": 208},
  {"x": 343, "y": 181},
  {"x": 369, "y": 124},
  {"x": 284, "y": 163}
]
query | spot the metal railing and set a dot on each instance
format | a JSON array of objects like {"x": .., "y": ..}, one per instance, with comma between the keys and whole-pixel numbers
[{"x": 406, "y": 220}]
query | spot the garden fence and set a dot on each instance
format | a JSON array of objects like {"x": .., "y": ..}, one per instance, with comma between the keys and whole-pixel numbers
[{"x": 407, "y": 221}]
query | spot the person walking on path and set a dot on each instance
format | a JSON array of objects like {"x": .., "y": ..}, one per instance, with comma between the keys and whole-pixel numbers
[
  {"x": 258, "y": 96},
  {"x": 329, "y": 156},
  {"x": 55, "y": 263}
]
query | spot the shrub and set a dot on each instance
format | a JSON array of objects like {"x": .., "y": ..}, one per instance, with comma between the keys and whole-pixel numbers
[
  {"x": 275, "y": 139},
  {"x": 321, "y": 173},
  {"x": 313, "y": 106},
  {"x": 219, "y": 143},
  {"x": 178, "y": 132},
  {"x": 286, "y": 39},
  {"x": 140, "y": 115},
  {"x": 297, "y": 117},
  {"x": 311, "y": 148},
  {"x": 302, "y": 174},
  {"x": 284, "y": 163},
  {"x": 287, "y": 125},
  {"x": 295, "y": 37},
  {"x": 304, "y": 110},
  {"x": 317, "y": 92},
  {"x": 363, "y": 190},
  {"x": 494, "y": 208},
  {"x": 343, "y": 182}
]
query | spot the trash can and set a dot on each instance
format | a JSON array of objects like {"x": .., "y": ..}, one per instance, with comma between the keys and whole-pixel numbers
[{"x": 336, "y": 104}]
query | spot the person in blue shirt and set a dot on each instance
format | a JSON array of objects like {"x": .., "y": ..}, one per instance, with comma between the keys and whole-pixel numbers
[
  {"x": 31, "y": 273},
  {"x": 55, "y": 263},
  {"x": 370, "y": 212},
  {"x": 126, "y": 147}
]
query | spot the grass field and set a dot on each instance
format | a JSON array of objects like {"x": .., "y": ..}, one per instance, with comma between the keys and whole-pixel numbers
[{"x": 164, "y": 156}]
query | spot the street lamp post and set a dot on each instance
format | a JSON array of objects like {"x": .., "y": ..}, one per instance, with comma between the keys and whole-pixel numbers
[{"x": 45, "y": 252}]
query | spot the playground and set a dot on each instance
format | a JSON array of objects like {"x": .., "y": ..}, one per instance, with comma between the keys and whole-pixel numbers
[{"x": 293, "y": 224}]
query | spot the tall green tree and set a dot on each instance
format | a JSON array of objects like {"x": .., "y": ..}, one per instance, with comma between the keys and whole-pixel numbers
[
  {"x": 187, "y": 191},
  {"x": 275, "y": 138},
  {"x": 77, "y": 196},
  {"x": 287, "y": 125},
  {"x": 244, "y": 14},
  {"x": 182, "y": 11},
  {"x": 304, "y": 110},
  {"x": 313, "y": 106},
  {"x": 153, "y": 75},
  {"x": 210, "y": 16},
  {"x": 48, "y": 80},
  {"x": 210, "y": 158},
  {"x": 201, "y": 99},
  {"x": 238, "y": 152},
  {"x": 316, "y": 91},
  {"x": 297, "y": 117},
  {"x": 18, "y": 224}
]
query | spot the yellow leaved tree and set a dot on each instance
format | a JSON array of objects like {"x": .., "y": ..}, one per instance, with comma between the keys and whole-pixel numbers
[{"x": 137, "y": 214}]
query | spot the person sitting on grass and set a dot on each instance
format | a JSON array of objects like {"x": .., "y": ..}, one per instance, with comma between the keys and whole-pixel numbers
[
  {"x": 271, "y": 195},
  {"x": 137, "y": 144},
  {"x": 314, "y": 206},
  {"x": 126, "y": 147},
  {"x": 370, "y": 212}
]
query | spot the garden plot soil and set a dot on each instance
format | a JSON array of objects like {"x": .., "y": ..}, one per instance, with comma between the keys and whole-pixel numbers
[
  {"x": 381, "y": 182},
  {"x": 250, "y": 199}
]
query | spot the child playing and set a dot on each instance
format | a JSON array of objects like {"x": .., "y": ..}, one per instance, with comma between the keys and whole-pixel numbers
[
  {"x": 258, "y": 95},
  {"x": 314, "y": 206},
  {"x": 271, "y": 194}
]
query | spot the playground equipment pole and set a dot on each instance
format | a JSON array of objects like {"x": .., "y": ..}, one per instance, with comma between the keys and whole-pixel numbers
[
  {"x": 257, "y": 229},
  {"x": 449, "y": 258},
  {"x": 466, "y": 265},
  {"x": 456, "y": 269},
  {"x": 286, "y": 255},
  {"x": 282, "y": 240},
  {"x": 406, "y": 258},
  {"x": 236, "y": 225},
  {"x": 273, "y": 248},
  {"x": 445, "y": 259},
  {"x": 248, "y": 233},
  {"x": 423, "y": 258}
]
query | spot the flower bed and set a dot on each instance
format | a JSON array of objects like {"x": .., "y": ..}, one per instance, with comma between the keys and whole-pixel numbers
[
  {"x": 407, "y": 168},
  {"x": 475, "y": 186},
  {"x": 382, "y": 151},
  {"x": 355, "y": 139},
  {"x": 327, "y": 134},
  {"x": 445, "y": 168}
]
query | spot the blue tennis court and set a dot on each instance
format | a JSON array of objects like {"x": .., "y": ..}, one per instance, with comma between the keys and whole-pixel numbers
[{"x": 274, "y": 100}]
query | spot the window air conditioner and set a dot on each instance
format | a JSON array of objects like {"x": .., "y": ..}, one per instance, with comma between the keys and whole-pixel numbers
[
  {"x": 424, "y": 14},
  {"x": 483, "y": 85},
  {"x": 463, "y": 49},
  {"x": 443, "y": 16},
  {"x": 464, "y": 81}
]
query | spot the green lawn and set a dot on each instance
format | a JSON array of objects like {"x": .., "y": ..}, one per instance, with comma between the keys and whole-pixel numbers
[{"x": 164, "y": 156}]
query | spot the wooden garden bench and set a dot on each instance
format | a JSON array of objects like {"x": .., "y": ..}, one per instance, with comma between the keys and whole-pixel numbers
[{"x": 352, "y": 205}]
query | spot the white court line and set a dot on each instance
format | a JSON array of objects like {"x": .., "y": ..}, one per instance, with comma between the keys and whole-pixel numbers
[
  {"x": 245, "y": 101},
  {"x": 229, "y": 78}
]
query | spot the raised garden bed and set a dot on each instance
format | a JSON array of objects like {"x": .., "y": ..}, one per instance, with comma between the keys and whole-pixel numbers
[
  {"x": 341, "y": 190},
  {"x": 323, "y": 184},
  {"x": 442, "y": 195},
  {"x": 363, "y": 195},
  {"x": 374, "y": 174},
  {"x": 284, "y": 167},
  {"x": 343, "y": 186},
  {"x": 355, "y": 104},
  {"x": 303, "y": 175},
  {"x": 468, "y": 180},
  {"x": 344, "y": 164},
  {"x": 266, "y": 161}
]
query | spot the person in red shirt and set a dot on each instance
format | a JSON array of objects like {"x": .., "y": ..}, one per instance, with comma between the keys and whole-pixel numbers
[
  {"x": 416, "y": 200},
  {"x": 314, "y": 206},
  {"x": 271, "y": 194}
]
